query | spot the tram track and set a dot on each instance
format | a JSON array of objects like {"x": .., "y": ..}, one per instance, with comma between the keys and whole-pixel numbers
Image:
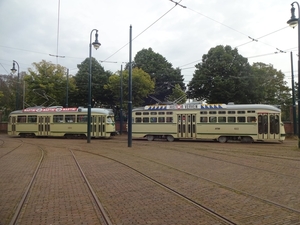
[
  {"x": 19, "y": 213},
  {"x": 211, "y": 213},
  {"x": 193, "y": 201},
  {"x": 98, "y": 203},
  {"x": 25, "y": 195}
]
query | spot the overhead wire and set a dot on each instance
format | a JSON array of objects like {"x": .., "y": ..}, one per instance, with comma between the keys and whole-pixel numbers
[{"x": 143, "y": 30}]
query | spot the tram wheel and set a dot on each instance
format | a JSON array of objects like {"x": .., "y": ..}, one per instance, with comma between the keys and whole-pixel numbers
[
  {"x": 150, "y": 137},
  {"x": 222, "y": 139},
  {"x": 170, "y": 138}
]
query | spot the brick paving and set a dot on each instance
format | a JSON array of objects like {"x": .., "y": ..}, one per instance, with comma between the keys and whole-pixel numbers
[{"x": 221, "y": 176}]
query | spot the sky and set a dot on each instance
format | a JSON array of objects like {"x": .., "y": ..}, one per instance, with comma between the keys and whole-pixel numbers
[{"x": 36, "y": 30}]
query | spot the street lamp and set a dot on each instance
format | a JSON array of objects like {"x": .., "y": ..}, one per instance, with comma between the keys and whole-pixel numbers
[
  {"x": 293, "y": 23},
  {"x": 13, "y": 70},
  {"x": 96, "y": 45}
]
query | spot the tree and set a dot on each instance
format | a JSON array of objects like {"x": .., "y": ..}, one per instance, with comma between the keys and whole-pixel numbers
[
  {"x": 160, "y": 70},
  {"x": 142, "y": 86},
  {"x": 46, "y": 84},
  {"x": 100, "y": 97},
  {"x": 223, "y": 76},
  {"x": 177, "y": 96},
  {"x": 271, "y": 87}
]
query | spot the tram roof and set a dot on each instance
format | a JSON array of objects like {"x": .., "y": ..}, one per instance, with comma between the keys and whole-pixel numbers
[
  {"x": 190, "y": 106},
  {"x": 43, "y": 110}
]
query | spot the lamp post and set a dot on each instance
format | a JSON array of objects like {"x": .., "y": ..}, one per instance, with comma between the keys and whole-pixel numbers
[
  {"x": 96, "y": 45},
  {"x": 293, "y": 23},
  {"x": 13, "y": 70}
]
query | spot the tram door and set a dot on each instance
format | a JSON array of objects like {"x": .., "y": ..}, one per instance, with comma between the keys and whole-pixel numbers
[
  {"x": 186, "y": 126},
  {"x": 43, "y": 125},
  {"x": 13, "y": 125},
  {"x": 98, "y": 126},
  {"x": 268, "y": 126}
]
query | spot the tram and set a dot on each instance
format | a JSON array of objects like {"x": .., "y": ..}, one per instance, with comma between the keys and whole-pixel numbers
[
  {"x": 220, "y": 122},
  {"x": 57, "y": 121}
]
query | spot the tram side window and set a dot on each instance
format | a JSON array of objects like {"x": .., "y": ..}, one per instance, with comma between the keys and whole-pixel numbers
[
  {"x": 231, "y": 112},
  {"x": 81, "y": 118},
  {"x": 203, "y": 119},
  {"x": 153, "y": 119},
  {"x": 203, "y": 112},
  {"x": 21, "y": 119},
  {"x": 169, "y": 113},
  {"x": 138, "y": 119},
  {"x": 169, "y": 119},
  {"x": 161, "y": 119},
  {"x": 58, "y": 119},
  {"x": 145, "y": 113},
  {"x": 161, "y": 113},
  {"x": 251, "y": 119},
  {"x": 241, "y": 119},
  {"x": 32, "y": 119},
  {"x": 222, "y": 119},
  {"x": 153, "y": 113},
  {"x": 231, "y": 119},
  {"x": 70, "y": 118},
  {"x": 146, "y": 120},
  {"x": 212, "y": 119},
  {"x": 138, "y": 113}
]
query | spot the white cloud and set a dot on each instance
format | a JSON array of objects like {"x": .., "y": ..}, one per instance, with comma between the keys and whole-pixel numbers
[{"x": 29, "y": 31}]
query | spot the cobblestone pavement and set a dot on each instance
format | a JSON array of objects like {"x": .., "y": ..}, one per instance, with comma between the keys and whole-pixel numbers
[{"x": 246, "y": 183}]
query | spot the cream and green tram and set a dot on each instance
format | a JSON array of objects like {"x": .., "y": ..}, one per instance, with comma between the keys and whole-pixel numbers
[
  {"x": 57, "y": 121},
  {"x": 221, "y": 122}
]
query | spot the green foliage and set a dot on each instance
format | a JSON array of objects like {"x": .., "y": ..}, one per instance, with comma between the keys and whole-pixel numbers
[
  {"x": 177, "y": 96},
  {"x": 142, "y": 86},
  {"x": 46, "y": 84},
  {"x": 271, "y": 87},
  {"x": 222, "y": 77},
  {"x": 160, "y": 70},
  {"x": 100, "y": 96}
]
